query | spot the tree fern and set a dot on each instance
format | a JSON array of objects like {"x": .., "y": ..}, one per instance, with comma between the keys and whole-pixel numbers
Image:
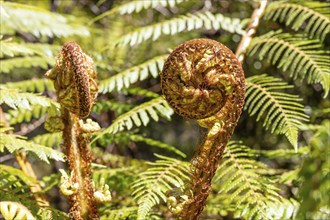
[
  {"x": 313, "y": 16},
  {"x": 295, "y": 54},
  {"x": 187, "y": 22},
  {"x": 282, "y": 112},
  {"x": 26, "y": 115},
  {"x": 29, "y": 19},
  {"x": 25, "y": 62},
  {"x": 137, "y": 73},
  {"x": 151, "y": 185},
  {"x": 140, "y": 115},
  {"x": 32, "y": 85},
  {"x": 251, "y": 192}
]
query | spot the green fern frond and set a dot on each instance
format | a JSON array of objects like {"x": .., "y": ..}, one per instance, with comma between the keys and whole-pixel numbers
[
  {"x": 4, "y": 169},
  {"x": 282, "y": 112},
  {"x": 25, "y": 62},
  {"x": 313, "y": 16},
  {"x": 137, "y": 6},
  {"x": 140, "y": 92},
  {"x": 15, "y": 211},
  {"x": 15, "y": 99},
  {"x": 118, "y": 214},
  {"x": 26, "y": 115},
  {"x": 137, "y": 73},
  {"x": 111, "y": 105},
  {"x": 187, "y": 22},
  {"x": 139, "y": 116},
  {"x": 14, "y": 143},
  {"x": 295, "y": 54},
  {"x": 244, "y": 181},
  {"x": 25, "y": 18},
  {"x": 32, "y": 85},
  {"x": 156, "y": 143},
  {"x": 48, "y": 139},
  {"x": 151, "y": 186}
]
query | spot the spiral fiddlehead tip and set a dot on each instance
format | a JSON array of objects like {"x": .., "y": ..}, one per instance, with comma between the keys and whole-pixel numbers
[
  {"x": 74, "y": 78},
  {"x": 198, "y": 77}
]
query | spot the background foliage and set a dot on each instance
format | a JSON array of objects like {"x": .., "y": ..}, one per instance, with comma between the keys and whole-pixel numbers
[{"x": 275, "y": 167}]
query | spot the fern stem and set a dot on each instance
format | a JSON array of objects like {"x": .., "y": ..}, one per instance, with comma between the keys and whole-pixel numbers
[
  {"x": 250, "y": 30},
  {"x": 203, "y": 79}
]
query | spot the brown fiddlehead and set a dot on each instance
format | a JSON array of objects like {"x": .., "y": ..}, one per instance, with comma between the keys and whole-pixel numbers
[
  {"x": 74, "y": 79},
  {"x": 203, "y": 79}
]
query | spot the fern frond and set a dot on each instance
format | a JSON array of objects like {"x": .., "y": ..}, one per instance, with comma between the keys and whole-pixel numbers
[
  {"x": 48, "y": 139},
  {"x": 118, "y": 214},
  {"x": 151, "y": 186},
  {"x": 26, "y": 115},
  {"x": 15, "y": 211},
  {"x": 25, "y": 62},
  {"x": 132, "y": 75},
  {"x": 32, "y": 85},
  {"x": 140, "y": 92},
  {"x": 313, "y": 16},
  {"x": 4, "y": 169},
  {"x": 14, "y": 143},
  {"x": 241, "y": 179},
  {"x": 139, "y": 116},
  {"x": 136, "y": 7},
  {"x": 15, "y": 99},
  {"x": 111, "y": 105},
  {"x": 295, "y": 54},
  {"x": 24, "y": 18},
  {"x": 282, "y": 112},
  {"x": 187, "y": 22}
]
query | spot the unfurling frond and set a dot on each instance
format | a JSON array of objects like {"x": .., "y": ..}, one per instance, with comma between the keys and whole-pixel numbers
[
  {"x": 16, "y": 99},
  {"x": 151, "y": 186},
  {"x": 15, "y": 210},
  {"x": 23, "y": 18},
  {"x": 140, "y": 115},
  {"x": 282, "y": 112},
  {"x": 137, "y": 73},
  {"x": 302, "y": 58},
  {"x": 251, "y": 194},
  {"x": 137, "y": 6},
  {"x": 14, "y": 143},
  {"x": 313, "y": 16},
  {"x": 187, "y": 22}
]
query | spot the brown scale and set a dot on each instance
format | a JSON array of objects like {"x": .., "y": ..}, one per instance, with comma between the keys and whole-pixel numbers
[{"x": 203, "y": 79}]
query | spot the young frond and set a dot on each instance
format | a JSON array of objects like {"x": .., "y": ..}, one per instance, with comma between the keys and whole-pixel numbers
[
  {"x": 32, "y": 85},
  {"x": 313, "y": 16},
  {"x": 295, "y": 54},
  {"x": 282, "y": 113},
  {"x": 24, "y": 18},
  {"x": 15, "y": 99},
  {"x": 48, "y": 139},
  {"x": 15, "y": 210},
  {"x": 187, "y": 22},
  {"x": 251, "y": 195},
  {"x": 118, "y": 214},
  {"x": 132, "y": 75},
  {"x": 14, "y": 143},
  {"x": 140, "y": 115},
  {"x": 151, "y": 186},
  {"x": 137, "y": 6}
]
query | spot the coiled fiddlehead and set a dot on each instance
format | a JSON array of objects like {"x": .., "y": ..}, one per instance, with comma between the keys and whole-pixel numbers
[
  {"x": 203, "y": 79},
  {"x": 74, "y": 79}
]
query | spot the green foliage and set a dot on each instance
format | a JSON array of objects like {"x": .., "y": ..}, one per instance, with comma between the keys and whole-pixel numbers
[
  {"x": 151, "y": 186},
  {"x": 313, "y": 16},
  {"x": 15, "y": 211},
  {"x": 282, "y": 112},
  {"x": 295, "y": 54}
]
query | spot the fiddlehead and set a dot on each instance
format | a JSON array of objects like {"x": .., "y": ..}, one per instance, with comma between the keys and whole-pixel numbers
[
  {"x": 74, "y": 79},
  {"x": 203, "y": 79}
]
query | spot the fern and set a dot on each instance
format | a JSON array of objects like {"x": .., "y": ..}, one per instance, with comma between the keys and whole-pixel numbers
[
  {"x": 24, "y": 18},
  {"x": 313, "y": 16},
  {"x": 48, "y": 139},
  {"x": 139, "y": 116},
  {"x": 253, "y": 194},
  {"x": 137, "y": 6},
  {"x": 18, "y": 174},
  {"x": 25, "y": 62},
  {"x": 132, "y": 75},
  {"x": 295, "y": 54},
  {"x": 15, "y": 99},
  {"x": 187, "y": 22},
  {"x": 151, "y": 185},
  {"x": 283, "y": 113},
  {"x": 32, "y": 85},
  {"x": 15, "y": 211},
  {"x": 26, "y": 115},
  {"x": 118, "y": 214},
  {"x": 14, "y": 143},
  {"x": 106, "y": 105}
]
